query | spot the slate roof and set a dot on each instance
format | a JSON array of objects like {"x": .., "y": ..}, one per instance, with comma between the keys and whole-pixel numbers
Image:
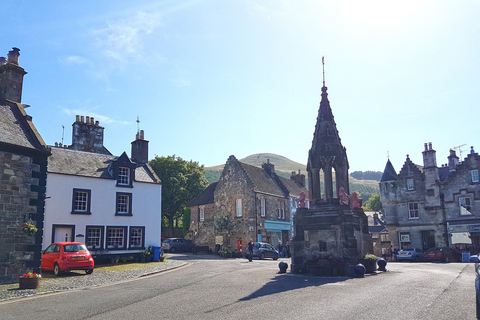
[
  {"x": 16, "y": 127},
  {"x": 205, "y": 197},
  {"x": 93, "y": 165},
  {"x": 262, "y": 181},
  {"x": 389, "y": 174}
]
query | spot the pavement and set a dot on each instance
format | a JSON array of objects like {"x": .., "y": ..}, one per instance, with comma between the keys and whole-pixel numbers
[{"x": 75, "y": 280}]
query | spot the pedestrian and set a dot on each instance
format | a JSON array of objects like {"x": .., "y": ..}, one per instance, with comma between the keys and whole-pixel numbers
[
  {"x": 395, "y": 253},
  {"x": 250, "y": 250},
  {"x": 390, "y": 253},
  {"x": 288, "y": 250},
  {"x": 280, "y": 249}
]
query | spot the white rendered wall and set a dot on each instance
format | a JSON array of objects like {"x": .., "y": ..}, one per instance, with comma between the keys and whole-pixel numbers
[{"x": 146, "y": 207}]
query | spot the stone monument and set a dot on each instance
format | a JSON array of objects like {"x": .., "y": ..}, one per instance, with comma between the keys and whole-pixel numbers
[{"x": 331, "y": 236}]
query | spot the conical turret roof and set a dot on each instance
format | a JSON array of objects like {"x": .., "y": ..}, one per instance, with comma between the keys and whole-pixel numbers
[{"x": 389, "y": 174}]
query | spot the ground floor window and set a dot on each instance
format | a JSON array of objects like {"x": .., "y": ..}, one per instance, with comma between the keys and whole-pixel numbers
[
  {"x": 137, "y": 237},
  {"x": 116, "y": 237},
  {"x": 94, "y": 237}
]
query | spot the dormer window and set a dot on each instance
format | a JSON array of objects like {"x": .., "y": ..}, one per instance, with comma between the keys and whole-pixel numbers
[{"x": 123, "y": 176}]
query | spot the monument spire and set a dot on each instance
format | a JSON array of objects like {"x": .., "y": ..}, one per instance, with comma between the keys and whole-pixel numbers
[{"x": 323, "y": 67}]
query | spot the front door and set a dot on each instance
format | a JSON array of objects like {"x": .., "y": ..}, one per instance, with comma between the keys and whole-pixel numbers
[
  {"x": 62, "y": 234},
  {"x": 428, "y": 239}
]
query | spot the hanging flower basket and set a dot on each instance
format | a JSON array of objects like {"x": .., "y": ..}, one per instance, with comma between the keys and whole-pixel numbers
[
  {"x": 29, "y": 281},
  {"x": 29, "y": 228}
]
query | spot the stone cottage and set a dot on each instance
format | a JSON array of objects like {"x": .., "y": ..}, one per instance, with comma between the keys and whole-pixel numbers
[
  {"x": 260, "y": 204},
  {"x": 23, "y": 169},
  {"x": 430, "y": 206}
]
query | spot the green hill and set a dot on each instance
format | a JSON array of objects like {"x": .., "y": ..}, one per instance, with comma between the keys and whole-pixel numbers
[{"x": 284, "y": 168}]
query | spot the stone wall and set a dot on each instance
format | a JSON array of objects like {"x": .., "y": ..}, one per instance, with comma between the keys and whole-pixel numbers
[{"x": 16, "y": 196}]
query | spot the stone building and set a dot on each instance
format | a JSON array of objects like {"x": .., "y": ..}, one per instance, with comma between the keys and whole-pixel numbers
[
  {"x": 260, "y": 203},
  {"x": 23, "y": 168},
  {"x": 428, "y": 206}
]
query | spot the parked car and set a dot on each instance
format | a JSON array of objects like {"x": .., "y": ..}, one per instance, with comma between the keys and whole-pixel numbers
[
  {"x": 476, "y": 259},
  {"x": 444, "y": 254},
  {"x": 66, "y": 256},
  {"x": 177, "y": 244},
  {"x": 410, "y": 254},
  {"x": 263, "y": 250}
]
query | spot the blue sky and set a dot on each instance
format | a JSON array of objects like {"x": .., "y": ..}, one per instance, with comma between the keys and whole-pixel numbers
[{"x": 209, "y": 79}]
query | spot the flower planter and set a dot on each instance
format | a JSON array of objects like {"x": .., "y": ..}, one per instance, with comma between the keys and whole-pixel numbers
[
  {"x": 370, "y": 265},
  {"x": 28, "y": 283}
]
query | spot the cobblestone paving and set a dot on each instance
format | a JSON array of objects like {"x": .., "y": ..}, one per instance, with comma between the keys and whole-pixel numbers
[{"x": 78, "y": 279}]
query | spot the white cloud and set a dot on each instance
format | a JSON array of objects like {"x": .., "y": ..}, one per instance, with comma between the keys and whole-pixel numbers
[
  {"x": 122, "y": 40},
  {"x": 73, "y": 60}
]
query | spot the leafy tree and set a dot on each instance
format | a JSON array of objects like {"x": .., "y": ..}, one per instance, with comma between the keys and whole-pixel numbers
[
  {"x": 224, "y": 224},
  {"x": 373, "y": 204},
  {"x": 181, "y": 182}
]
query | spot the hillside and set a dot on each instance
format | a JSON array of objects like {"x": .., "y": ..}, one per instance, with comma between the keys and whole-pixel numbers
[{"x": 284, "y": 168}]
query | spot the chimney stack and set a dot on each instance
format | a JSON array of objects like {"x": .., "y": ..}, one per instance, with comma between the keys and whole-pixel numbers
[
  {"x": 140, "y": 148},
  {"x": 11, "y": 77},
  {"x": 87, "y": 135}
]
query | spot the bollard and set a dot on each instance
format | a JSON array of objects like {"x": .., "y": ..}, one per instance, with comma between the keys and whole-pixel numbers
[
  {"x": 360, "y": 270},
  {"x": 382, "y": 263},
  {"x": 283, "y": 267}
]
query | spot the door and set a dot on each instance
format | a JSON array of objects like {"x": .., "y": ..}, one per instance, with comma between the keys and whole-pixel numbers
[
  {"x": 428, "y": 239},
  {"x": 49, "y": 257},
  {"x": 62, "y": 234}
]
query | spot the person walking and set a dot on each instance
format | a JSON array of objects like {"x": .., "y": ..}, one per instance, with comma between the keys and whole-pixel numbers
[{"x": 250, "y": 250}]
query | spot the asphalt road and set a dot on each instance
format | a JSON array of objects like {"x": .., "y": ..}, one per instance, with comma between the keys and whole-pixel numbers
[{"x": 237, "y": 289}]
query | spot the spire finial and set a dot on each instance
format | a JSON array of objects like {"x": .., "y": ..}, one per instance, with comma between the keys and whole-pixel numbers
[
  {"x": 138, "y": 125},
  {"x": 323, "y": 65},
  {"x": 388, "y": 155}
]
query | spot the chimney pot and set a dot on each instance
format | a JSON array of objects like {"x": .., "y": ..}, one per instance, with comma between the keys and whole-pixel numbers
[
  {"x": 91, "y": 120},
  {"x": 97, "y": 123},
  {"x": 13, "y": 56},
  {"x": 426, "y": 146},
  {"x": 142, "y": 135},
  {"x": 88, "y": 119},
  {"x": 77, "y": 118},
  {"x": 430, "y": 146},
  {"x": 82, "y": 119}
]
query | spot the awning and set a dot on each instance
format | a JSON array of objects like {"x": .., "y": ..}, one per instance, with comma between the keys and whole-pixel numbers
[{"x": 277, "y": 225}]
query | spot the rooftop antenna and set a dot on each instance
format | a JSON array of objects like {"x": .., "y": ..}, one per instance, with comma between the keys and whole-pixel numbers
[
  {"x": 138, "y": 125},
  {"x": 63, "y": 133},
  {"x": 459, "y": 148},
  {"x": 323, "y": 65}
]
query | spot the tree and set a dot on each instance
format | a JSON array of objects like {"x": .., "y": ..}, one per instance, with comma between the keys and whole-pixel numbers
[
  {"x": 181, "y": 182},
  {"x": 373, "y": 204},
  {"x": 225, "y": 224}
]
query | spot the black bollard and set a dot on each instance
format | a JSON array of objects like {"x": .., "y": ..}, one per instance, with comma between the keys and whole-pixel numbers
[
  {"x": 360, "y": 270},
  {"x": 283, "y": 267},
  {"x": 382, "y": 263}
]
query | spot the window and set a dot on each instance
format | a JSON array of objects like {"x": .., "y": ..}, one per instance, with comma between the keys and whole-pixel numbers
[
  {"x": 123, "y": 176},
  {"x": 238, "y": 207},
  {"x": 202, "y": 213},
  {"x": 430, "y": 192},
  {"x": 282, "y": 205},
  {"x": 94, "y": 238},
  {"x": 279, "y": 211},
  {"x": 410, "y": 185},
  {"x": 262, "y": 207},
  {"x": 137, "y": 237},
  {"x": 81, "y": 201},
  {"x": 413, "y": 210},
  {"x": 474, "y": 174},
  {"x": 464, "y": 206},
  {"x": 124, "y": 204},
  {"x": 384, "y": 237},
  {"x": 116, "y": 237}
]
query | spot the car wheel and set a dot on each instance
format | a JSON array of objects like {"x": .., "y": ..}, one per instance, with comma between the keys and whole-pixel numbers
[
  {"x": 56, "y": 270},
  {"x": 262, "y": 256},
  {"x": 275, "y": 257},
  {"x": 172, "y": 249},
  {"x": 417, "y": 258},
  {"x": 89, "y": 271}
]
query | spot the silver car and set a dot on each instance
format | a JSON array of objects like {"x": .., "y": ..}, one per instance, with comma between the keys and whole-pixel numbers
[{"x": 410, "y": 254}]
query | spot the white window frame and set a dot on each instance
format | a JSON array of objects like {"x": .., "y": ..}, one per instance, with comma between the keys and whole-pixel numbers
[
  {"x": 136, "y": 237},
  {"x": 238, "y": 207},
  {"x": 279, "y": 211},
  {"x": 282, "y": 205},
  {"x": 410, "y": 184},
  {"x": 115, "y": 238},
  {"x": 465, "y": 204},
  {"x": 262, "y": 207},
  {"x": 474, "y": 174},
  {"x": 80, "y": 203},
  {"x": 94, "y": 238},
  {"x": 413, "y": 210},
  {"x": 123, "y": 203},
  {"x": 202, "y": 213},
  {"x": 123, "y": 176}
]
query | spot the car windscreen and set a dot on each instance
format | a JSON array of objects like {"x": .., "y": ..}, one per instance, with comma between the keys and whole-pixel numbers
[
  {"x": 74, "y": 248},
  {"x": 409, "y": 249}
]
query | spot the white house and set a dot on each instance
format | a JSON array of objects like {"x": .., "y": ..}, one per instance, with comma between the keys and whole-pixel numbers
[{"x": 112, "y": 204}]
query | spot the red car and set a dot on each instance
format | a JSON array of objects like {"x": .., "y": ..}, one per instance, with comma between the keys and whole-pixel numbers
[
  {"x": 444, "y": 254},
  {"x": 66, "y": 256}
]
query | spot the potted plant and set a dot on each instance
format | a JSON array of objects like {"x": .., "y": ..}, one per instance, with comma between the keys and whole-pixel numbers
[
  {"x": 226, "y": 252},
  {"x": 370, "y": 263},
  {"x": 162, "y": 258},
  {"x": 145, "y": 256},
  {"x": 29, "y": 228},
  {"x": 29, "y": 281}
]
